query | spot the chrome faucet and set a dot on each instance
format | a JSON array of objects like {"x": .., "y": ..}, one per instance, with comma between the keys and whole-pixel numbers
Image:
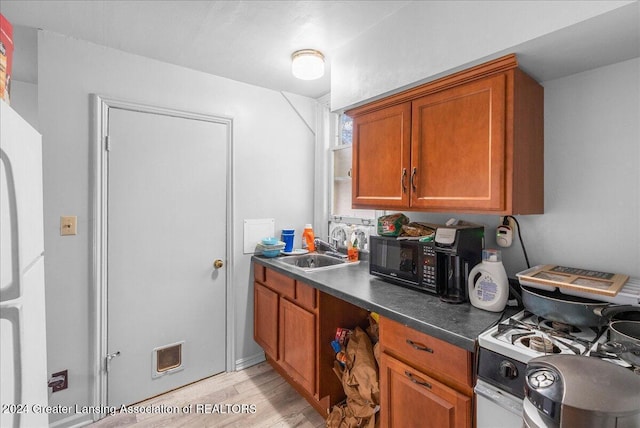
[
  {"x": 328, "y": 249},
  {"x": 324, "y": 246}
]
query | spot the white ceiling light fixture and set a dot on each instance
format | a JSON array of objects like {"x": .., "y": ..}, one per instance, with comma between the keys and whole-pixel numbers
[{"x": 307, "y": 64}]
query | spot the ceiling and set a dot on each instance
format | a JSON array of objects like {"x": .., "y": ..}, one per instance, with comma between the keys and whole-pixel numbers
[{"x": 247, "y": 41}]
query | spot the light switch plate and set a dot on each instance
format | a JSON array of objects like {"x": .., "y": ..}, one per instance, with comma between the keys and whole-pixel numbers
[{"x": 68, "y": 225}]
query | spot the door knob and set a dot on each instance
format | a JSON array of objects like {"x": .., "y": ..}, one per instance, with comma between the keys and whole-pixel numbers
[{"x": 218, "y": 263}]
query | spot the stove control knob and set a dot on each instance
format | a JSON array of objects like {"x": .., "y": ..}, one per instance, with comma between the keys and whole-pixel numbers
[{"x": 508, "y": 370}]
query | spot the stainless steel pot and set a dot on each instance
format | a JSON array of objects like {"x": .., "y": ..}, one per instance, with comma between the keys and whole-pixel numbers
[
  {"x": 573, "y": 310},
  {"x": 625, "y": 331},
  {"x": 624, "y": 339}
]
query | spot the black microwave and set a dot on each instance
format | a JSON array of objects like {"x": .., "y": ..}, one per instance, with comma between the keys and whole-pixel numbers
[
  {"x": 440, "y": 266},
  {"x": 405, "y": 262}
]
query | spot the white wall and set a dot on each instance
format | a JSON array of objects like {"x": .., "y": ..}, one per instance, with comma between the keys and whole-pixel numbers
[
  {"x": 273, "y": 177},
  {"x": 24, "y": 100},
  {"x": 592, "y": 177},
  {"x": 428, "y": 38}
]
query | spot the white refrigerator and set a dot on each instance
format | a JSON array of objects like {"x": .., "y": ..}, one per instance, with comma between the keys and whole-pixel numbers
[{"x": 23, "y": 348}]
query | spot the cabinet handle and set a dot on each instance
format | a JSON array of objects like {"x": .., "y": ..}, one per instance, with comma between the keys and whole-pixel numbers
[
  {"x": 419, "y": 347},
  {"x": 416, "y": 380},
  {"x": 413, "y": 176},
  {"x": 402, "y": 180}
]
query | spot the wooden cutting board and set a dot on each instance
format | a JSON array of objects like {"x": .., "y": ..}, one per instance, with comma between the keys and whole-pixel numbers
[{"x": 588, "y": 281}]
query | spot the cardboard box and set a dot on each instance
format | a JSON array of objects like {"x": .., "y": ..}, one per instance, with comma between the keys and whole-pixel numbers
[{"x": 6, "y": 57}]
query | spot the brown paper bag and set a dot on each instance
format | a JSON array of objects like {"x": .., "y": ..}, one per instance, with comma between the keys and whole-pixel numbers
[{"x": 360, "y": 383}]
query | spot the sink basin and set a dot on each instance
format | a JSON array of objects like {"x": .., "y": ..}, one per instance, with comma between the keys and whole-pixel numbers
[{"x": 314, "y": 262}]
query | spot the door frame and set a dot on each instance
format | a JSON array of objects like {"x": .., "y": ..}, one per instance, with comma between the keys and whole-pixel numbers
[{"x": 98, "y": 188}]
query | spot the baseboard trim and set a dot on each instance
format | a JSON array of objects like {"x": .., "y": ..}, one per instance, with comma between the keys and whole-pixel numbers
[
  {"x": 75, "y": 421},
  {"x": 247, "y": 362}
]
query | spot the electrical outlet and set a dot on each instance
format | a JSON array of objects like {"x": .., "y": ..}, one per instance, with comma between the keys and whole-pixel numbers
[
  {"x": 504, "y": 233},
  {"x": 512, "y": 223},
  {"x": 68, "y": 225}
]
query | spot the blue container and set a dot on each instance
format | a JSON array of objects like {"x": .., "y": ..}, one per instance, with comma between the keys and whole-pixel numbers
[
  {"x": 270, "y": 253},
  {"x": 269, "y": 241},
  {"x": 288, "y": 236}
]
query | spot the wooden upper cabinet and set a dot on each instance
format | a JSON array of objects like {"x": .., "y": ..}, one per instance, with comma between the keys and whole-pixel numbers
[
  {"x": 458, "y": 147},
  {"x": 470, "y": 142},
  {"x": 381, "y": 158}
]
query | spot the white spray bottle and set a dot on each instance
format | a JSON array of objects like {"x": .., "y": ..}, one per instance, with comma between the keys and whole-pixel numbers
[{"x": 490, "y": 290}]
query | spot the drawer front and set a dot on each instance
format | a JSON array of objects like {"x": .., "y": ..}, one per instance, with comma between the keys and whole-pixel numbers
[
  {"x": 305, "y": 296},
  {"x": 424, "y": 352},
  {"x": 280, "y": 283},
  {"x": 258, "y": 272}
]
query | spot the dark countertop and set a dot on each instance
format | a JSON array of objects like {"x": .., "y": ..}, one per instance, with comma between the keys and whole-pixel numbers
[{"x": 459, "y": 325}]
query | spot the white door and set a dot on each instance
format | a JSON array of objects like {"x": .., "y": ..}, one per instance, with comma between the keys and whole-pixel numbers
[{"x": 166, "y": 224}]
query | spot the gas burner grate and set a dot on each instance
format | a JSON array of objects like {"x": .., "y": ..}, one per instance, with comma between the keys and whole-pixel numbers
[
  {"x": 516, "y": 333},
  {"x": 565, "y": 328}
]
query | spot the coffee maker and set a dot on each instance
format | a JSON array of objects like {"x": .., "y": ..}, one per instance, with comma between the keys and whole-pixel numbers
[{"x": 458, "y": 248}]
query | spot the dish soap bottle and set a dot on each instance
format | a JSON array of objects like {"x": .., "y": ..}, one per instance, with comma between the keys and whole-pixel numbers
[
  {"x": 308, "y": 238},
  {"x": 490, "y": 290},
  {"x": 352, "y": 246}
]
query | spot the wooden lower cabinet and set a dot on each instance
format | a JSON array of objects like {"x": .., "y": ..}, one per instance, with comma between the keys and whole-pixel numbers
[
  {"x": 295, "y": 323},
  {"x": 265, "y": 319},
  {"x": 424, "y": 381},
  {"x": 297, "y": 343},
  {"x": 409, "y": 398}
]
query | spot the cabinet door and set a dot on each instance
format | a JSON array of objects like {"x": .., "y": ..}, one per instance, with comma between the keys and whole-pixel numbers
[
  {"x": 297, "y": 343},
  {"x": 381, "y": 151},
  {"x": 458, "y": 147},
  {"x": 265, "y": 319},
  {"x": 408, "y": 398}
]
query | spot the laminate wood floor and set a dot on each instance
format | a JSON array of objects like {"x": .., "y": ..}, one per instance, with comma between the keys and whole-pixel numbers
[{"x": 255, "y": 397}]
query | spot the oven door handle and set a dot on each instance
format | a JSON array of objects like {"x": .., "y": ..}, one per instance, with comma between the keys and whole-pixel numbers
[{"x": 496, "y": 396}]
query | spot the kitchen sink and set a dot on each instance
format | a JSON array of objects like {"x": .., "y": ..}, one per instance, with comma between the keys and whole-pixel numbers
[{"x": 314, "y": 262}]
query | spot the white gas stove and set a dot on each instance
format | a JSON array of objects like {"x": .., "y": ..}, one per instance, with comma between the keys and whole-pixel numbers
[
  {"x": 505, "y": 350},
  {"x": 525, "y": 336}
]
